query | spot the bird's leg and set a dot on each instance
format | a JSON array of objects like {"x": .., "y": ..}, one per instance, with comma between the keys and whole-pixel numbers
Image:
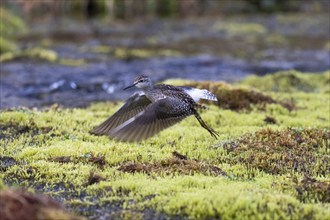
[
  {"x": 209, "y": 129},
  {"x": 200, "y": 106}
]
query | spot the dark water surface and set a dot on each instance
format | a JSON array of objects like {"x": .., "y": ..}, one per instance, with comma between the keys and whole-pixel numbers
[{"x": 226, "y": 48}]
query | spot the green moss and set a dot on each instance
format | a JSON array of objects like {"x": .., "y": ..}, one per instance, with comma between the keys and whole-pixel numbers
[
  {"x": 310, "y": 189},
  {"x": 35, "y": 53},
  {"x": 279, "y": 152},
  {"x": 238, "y": 201},
  {"x": 2, "y": 185},
  {"x": 327, "y": 46},
  {"x": 257, "y": 169},
  {"x": 71, "y": 62},
  {"x": 6, "y": 45},
  {"x": 233, "y": 29},
  {"x": 177, "y": 164},
  {"x": 290, "y": 81},
  {"x": 38, "y": 53},
  {"x": 200, "y": 197},
  {"x": 134, "y": 53},
  {"x": 10, "y": 25}
]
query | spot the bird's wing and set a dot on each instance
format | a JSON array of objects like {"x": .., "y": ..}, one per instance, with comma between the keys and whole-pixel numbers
[
  {"x": 156, "y": 117},
  {"x": 133, "y": 105},
  {"x": 198, "y": 94}
]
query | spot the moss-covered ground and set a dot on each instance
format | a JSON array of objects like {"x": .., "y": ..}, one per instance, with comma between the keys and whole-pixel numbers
[{"x": 271, "y": 160}]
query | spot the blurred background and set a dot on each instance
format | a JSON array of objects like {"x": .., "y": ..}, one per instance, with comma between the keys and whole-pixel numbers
[{"x": 74, "y": 52}]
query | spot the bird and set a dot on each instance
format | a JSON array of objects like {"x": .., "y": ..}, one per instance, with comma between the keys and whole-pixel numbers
[{"x": 155, "y": 108}]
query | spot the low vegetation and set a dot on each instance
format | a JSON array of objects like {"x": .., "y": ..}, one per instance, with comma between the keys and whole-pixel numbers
[{"x": 271, "y": 160}]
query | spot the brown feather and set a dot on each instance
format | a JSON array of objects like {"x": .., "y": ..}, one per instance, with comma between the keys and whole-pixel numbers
[
  {"x": 156, "y": 117},
  {"x": 134, "y": 105}
]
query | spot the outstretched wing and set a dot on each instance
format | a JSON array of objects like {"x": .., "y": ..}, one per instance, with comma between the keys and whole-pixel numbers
[
  {"x": 156, "y": 117},
  {"x": 133, "y": 105}
]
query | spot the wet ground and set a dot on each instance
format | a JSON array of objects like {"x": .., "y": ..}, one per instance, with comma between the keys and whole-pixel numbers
[{"x": 95, "y": 60}]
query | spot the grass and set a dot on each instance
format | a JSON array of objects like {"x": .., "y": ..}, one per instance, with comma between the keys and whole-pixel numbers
[{"x": 270, "y": 162}]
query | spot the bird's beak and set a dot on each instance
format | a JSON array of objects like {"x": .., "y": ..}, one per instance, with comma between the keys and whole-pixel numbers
[{"x": 130, "y": 86}]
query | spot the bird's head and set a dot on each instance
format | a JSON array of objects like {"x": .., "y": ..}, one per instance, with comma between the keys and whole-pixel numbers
[{"x": 141, "y": 82}]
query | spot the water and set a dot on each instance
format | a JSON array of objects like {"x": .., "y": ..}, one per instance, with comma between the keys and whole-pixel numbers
[{"x": 226, "y": 49}]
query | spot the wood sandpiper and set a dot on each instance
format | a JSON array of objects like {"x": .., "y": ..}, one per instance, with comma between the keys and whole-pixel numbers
[{"x": 156, "y": 107}]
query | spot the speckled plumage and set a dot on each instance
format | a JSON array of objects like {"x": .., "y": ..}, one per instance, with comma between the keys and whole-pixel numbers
[{"x": 158, "y": 107}]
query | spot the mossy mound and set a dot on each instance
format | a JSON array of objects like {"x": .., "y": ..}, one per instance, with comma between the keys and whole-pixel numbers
[
  {"x": 310, "y": 189},
  {"x": 290, "y": 81},
  {"x": 236, "y": 98},
  {"x": 286, "y": 151},
  {"x": 39, "y": 54}
]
